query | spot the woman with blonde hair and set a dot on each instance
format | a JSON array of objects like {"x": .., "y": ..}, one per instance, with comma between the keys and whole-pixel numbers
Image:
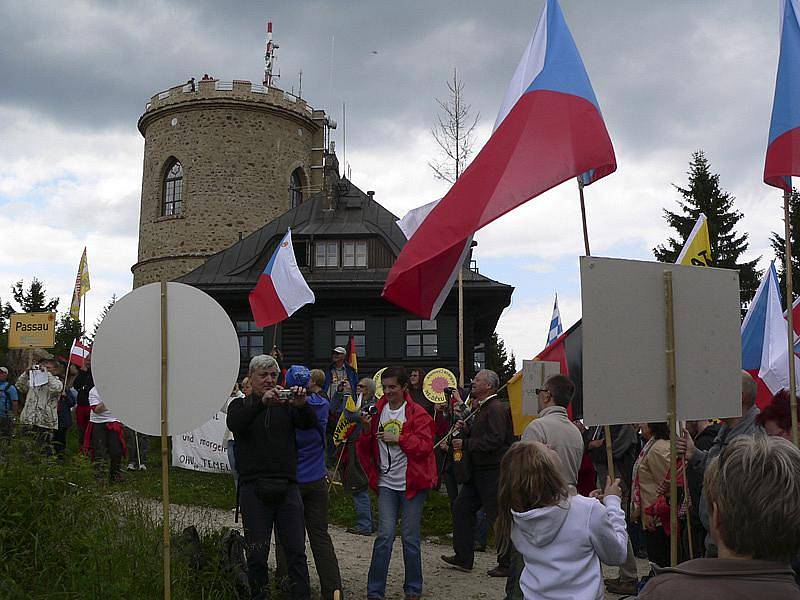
[{"x": 561, "y": 536}]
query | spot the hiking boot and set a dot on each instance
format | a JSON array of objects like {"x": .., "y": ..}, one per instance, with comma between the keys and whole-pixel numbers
[
  {"x": 357, "y": 531},
  {"x": 143, "y": 467},
  {"x": 622, "y": 587},
  {"x": 453, "y": 562},
  {"x": 131, "y": 467},
  {"x": 498, "y": 571}
]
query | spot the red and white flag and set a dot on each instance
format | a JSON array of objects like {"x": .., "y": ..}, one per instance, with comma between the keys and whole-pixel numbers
[{"x": 79, "y": 353}]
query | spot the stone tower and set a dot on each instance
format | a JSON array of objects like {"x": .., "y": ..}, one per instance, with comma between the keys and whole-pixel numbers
[{"x": 220, "y": 160}]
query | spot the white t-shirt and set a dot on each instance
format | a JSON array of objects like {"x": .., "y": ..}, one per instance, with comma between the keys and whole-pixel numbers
[
  {"x": 393, "y": 461},
  {"x": 96, "y": 417}
]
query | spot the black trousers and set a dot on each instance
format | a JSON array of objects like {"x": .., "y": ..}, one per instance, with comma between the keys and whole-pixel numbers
[
  {"x": 107, "y": 448},
  {"x": 258, "y": 518},
  {"x": 315, "y": 510},
  {"x": 480, "y": 491},
  {"x": 658, "y": 549}
]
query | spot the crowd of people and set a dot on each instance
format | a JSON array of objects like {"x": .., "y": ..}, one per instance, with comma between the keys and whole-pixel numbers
[{"x": 555, "y": 512}]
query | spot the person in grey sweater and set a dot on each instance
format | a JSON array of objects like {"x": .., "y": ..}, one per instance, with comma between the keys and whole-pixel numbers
[{"x": 732, "y": 427}]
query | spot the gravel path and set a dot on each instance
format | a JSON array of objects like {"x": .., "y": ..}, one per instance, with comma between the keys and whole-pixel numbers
[{"x": 354, "y": 552}]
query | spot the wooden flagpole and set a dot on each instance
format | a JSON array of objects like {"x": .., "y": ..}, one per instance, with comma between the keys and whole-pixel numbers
[
  {"x": 460, "y": 326},
  {"x": 671, "y": 419},
  {"x": 164, "y": 443},
  {"x": 790, "y": 329},
  {"x": 606, "y": 428}
]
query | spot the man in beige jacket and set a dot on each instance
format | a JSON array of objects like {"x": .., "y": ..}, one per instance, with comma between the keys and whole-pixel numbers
[{"x": 40, "y": 413}]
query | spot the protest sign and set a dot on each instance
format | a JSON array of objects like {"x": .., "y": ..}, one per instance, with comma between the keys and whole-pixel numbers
[
  {"x": 534, "y": 374},
  {"x": 201, "y": 449},
  {"x": 625, "y": 378}
]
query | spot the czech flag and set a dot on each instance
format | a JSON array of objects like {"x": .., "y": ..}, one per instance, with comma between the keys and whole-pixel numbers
[
  {"x": 764, "y": 345},
  {"x": 549, "y": 130},
  {"x": 783, "y": 150},
  {"x": 281, "y": 288}
]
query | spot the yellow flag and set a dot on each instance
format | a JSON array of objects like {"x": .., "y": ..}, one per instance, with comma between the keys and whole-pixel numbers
[
  {"x": 697, "y": 249},
  {"x": 514, "y": 388},
  {"x": 81, "y": 287}
]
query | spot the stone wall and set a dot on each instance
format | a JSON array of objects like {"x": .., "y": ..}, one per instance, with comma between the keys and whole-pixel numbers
[{"x": 238, "y": 149}]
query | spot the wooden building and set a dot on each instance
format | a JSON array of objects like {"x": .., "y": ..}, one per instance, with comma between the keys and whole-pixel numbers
[{"x": 345, "y": 242}]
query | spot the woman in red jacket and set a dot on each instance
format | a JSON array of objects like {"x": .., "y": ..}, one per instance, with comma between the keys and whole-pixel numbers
[{"x": 396, "y": 451}]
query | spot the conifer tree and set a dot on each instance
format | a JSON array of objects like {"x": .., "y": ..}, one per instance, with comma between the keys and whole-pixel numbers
[
  {"x": 67, "y": 331},
  {"x": 103, "y": 314},
  {"x": 34, "y": 299},
  {"x": 778, "y": 243},
  {"x": 498, "y": 360},
  {"x": 704, "y": 195}
]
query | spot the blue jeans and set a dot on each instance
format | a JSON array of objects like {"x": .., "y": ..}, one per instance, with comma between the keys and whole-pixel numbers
[
  {"x": 391, "y": 505},
  {"x": 363, "y": 506}
]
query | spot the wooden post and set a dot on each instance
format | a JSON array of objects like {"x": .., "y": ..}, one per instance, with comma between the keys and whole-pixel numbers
[
  {"x": 671, "y": 419},
  {"x": 460, "y": 326},
  {"x": 165, "y": 443},
  {"x": 274, "y": 336},
  {"x": 789, "y": 301},
  {"x": 688, "y": 497},
  {"x": 606, "y": 428}
]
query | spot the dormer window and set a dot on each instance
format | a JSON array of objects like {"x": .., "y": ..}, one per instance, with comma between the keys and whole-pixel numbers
[{"x": 350, "y": 254}]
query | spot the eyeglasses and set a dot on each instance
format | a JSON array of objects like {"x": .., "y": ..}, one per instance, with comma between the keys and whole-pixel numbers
[{"x": 540, "y": 390}]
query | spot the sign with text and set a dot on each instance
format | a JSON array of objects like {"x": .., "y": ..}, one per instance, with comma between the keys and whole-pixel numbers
[
  {"x": 624, "y": 341},
  {"x": 534, "y": 374},
  {"x": 201, "y": 449},
  {"x": 32, "y": 330}
]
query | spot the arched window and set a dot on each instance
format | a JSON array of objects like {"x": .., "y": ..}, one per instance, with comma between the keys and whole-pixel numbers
[
  {"x": 296, "y": 188},
  {"x": 173, "y": 190}
]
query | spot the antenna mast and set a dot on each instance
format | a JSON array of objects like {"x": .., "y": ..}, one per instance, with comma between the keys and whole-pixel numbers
[{"x": 269, "y": 58}]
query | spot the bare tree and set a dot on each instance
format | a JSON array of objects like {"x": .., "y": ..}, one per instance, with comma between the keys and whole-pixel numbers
[{"x": 453, "y": 132}]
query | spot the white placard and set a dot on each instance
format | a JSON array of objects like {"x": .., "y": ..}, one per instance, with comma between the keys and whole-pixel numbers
[
  {"x": 624, "y": 333},
  {"x": 37, "y": 377},
  {"x": 534, "y": 374},
  {"x": 201, "y": 449},
  {"x": 203, "y": 358}
]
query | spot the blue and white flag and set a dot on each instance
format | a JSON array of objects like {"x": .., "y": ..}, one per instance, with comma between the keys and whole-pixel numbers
[{"x": 555, "y": 324}]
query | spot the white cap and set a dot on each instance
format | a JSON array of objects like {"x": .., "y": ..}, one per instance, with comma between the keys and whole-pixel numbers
[{"x": 339, "y": 350}]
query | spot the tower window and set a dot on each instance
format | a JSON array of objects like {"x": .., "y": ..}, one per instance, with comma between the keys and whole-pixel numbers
[
  {"x": 173, "y": 188},
  {"x": 296, "y": 188}
]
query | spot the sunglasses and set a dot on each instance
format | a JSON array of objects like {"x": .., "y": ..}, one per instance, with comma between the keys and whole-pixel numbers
[{"x": 540, "y": 390}]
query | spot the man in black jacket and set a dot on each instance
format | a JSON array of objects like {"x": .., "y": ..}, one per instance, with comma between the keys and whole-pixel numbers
[
  {"x": 266, "y": 457},
  {"x": 484, "y": 441}
]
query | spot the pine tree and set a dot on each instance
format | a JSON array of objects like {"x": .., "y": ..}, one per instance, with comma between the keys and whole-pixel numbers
[
  {"x": 778, "y": 243},
  {"x": 103, "y": 314},
  {"x": 34, "y": 299},
  {"x": 704, "y": 195},
  {"x": 497, "y": 359},
  {"x": 67, "y": 330}
]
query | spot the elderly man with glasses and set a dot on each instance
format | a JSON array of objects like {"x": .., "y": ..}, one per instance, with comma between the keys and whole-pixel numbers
[{"x": 264, "y": 424}]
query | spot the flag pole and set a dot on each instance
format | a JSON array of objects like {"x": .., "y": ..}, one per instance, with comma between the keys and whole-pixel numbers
[
  {"x": 789, "y": 316},
  {"x": 164, "y": 442},
  {"x": 460, "y": 327},
  {"x": 606, "y": 428}
]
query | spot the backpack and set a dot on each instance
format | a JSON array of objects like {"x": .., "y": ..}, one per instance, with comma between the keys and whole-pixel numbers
[
  {"x": 232, "y": 556},
  {"x": 5, "y": 398}
]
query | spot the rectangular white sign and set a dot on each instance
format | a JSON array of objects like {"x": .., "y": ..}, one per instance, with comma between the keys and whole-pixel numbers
[
  {"x": 534, "y": 374},
  {"x": 624, "y": 337}
]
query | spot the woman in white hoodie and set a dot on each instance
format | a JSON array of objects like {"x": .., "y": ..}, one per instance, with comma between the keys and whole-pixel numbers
[{"x": 562, "y": 537}]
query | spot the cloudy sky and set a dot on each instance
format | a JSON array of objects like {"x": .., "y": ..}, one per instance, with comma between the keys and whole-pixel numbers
[{"x": 671, "y": 78}]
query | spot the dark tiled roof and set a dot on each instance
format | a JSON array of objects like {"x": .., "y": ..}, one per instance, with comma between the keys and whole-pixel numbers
[{"x": 356, "y": 214}]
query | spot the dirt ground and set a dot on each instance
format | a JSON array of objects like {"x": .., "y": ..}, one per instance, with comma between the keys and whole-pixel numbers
[{"x": 354, "y": 552}]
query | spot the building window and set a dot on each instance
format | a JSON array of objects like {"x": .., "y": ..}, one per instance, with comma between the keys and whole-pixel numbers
[
  {"x": 421, "y": 338},
  {"x": 300, "y": 252},
  {"x": 296, "y": 188},
  {"x": 326, "y": 254},
  {"x": 251, "y": 339},
  {"x": 354, "y": 253},
  {"x": 343, "y": 331},
  {"x": 479, "y": 357},
  {"x": 173, "y": 191}
]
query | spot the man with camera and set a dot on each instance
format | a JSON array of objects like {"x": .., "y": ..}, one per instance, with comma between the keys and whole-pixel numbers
[
  {"x": 264, "y": 424},
  {"x": 485, "y": 435},
  {"x": 396, "y": 450},
  {"x": 42, "y": 390}
]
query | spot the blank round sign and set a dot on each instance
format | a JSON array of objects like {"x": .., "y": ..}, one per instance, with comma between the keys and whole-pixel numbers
[{"x": 202, "y": 358}]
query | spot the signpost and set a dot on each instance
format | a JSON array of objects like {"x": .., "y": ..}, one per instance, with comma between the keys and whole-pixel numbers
[{"x": 32, "y": 330}]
